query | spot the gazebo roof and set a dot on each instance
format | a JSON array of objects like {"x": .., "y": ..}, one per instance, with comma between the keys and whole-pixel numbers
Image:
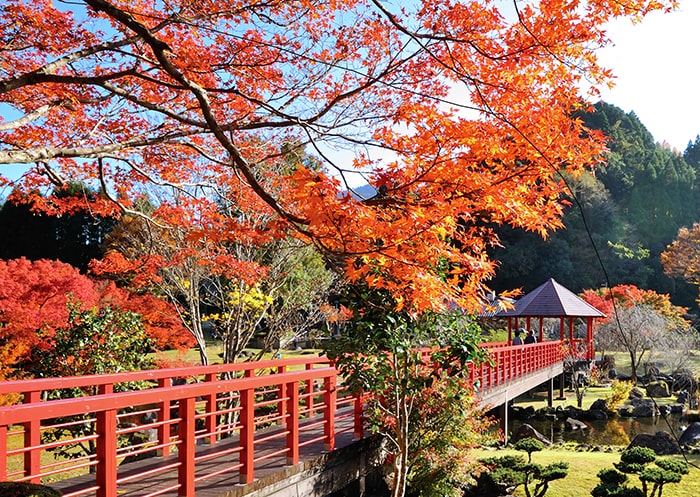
[{"x": 551, "y": 299}]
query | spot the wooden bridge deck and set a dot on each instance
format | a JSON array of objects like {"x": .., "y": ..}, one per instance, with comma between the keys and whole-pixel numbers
[{"x": 271, "y": 468}]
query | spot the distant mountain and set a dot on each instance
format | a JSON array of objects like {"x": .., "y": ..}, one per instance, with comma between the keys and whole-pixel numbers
[{"x": 364, "y": 192}]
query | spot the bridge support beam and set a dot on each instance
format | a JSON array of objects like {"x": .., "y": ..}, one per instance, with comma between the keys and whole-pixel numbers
[
  {"x": 503, "y": 416},
  {"x": 561, "y": 387}
]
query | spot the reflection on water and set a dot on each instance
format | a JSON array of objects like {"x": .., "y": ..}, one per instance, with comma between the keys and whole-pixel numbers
[{"x": 617, "y": 431}]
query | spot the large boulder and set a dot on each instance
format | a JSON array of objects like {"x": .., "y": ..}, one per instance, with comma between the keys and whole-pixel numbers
[
  {"x": 636, "y": 393},
  {"x": 644, "y": 409},
  {"x": 599, "y": 405},
  {"x": 662, "y": 443},
  {"x": 658, "y": 389},
  {"x": 573, "y": 412},
  {"x": 595, "y": 415},
  {"x": 523, "y": 413},
  {"x": 683, "y": 380},
  {"x": 626, "y": 411},
  {"x": 690, "y": 436},
  {"x": 527, "y": 431},
  {"x": 572, "y": 424}
]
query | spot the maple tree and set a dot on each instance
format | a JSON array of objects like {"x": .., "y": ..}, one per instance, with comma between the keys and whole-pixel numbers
[
  {"x": 34, "y": 303},
  {"x": 261, "y": 280},
  {"x": 638, "y": 320},
  {"x": 474, "y": 101},
  {"x": 682, "y": 257}
]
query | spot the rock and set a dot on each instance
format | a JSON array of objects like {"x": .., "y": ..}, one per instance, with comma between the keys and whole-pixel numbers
[
  {"x": 527, "y": 431},
  {"x": 664, "y": 410},
  {"x": 595, "y": 415},
  {"x": 625, "y": 411},
  {"x": 691, "y": 435},
  {"x": 17, "y": 489},
  {"x": 574, "y": 412},
  {"x": 684, "y": 381},
  {"x": 644, "y": 409},
  {"x": 636, "y": 393},
  {"x": 149, "y": 418},
  {"x": 657, "y": 389},
  {"x": 676, "y": 408},
  {"x": 623, "y": 377},
  {"x": 574, "y": 424},
  {"x": 599, "y": 405},
  {"x": 662, "y": 443},
  {"x": 523, "y": 413}
]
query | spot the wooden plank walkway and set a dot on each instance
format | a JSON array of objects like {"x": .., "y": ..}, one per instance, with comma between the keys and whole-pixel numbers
[{"x": 271, "y": 464}]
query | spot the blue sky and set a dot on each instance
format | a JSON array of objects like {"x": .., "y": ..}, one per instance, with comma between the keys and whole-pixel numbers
[{"x": 656, "y": 64}]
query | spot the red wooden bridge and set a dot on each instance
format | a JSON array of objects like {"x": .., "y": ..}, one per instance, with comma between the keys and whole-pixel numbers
[{"x": 212, "y": 429}]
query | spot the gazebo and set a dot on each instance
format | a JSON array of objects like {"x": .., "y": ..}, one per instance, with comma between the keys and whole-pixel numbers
[{"x": 552, "y": 300}]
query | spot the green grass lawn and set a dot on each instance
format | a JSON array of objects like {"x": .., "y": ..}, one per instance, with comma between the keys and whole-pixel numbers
[
  {"x": 584, "y": 466},
  {"x": 623, "y": 363}
]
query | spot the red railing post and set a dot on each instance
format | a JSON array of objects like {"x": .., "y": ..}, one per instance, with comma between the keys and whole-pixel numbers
[
  {"x": 186, "y": 429},
  {"x": 247, "y": 435},
  {"x": 210, "y": 410},
  {"x": 106, "y": 470},
  {"x": 282, "y": 396},
  {"x": 292, "y": 422},
  {"x": 3, "y": 453},
  {"x": 163, "y": 421},
  {"x": 330, "y": 396},
  {"x": 32, "y": 439},
  {"x": 309, "y": 392},
  {"x": 358, "y": 421}
]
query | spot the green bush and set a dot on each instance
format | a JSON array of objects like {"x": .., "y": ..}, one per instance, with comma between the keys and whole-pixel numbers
[
  {"x": 506, "y": 473},
  {"x": 636, "y": 460}
]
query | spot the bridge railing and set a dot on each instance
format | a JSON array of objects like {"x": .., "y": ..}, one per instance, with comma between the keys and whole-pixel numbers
[
  {"x": 509, "y": 362},
  {"x": 178, "y": 409}
]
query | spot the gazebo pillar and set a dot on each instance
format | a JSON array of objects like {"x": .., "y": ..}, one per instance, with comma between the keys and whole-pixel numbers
[
  {"x": 590, "y": 351},
  {"x": 572, "y": 339},
  {"x": 561, "y": 328}
]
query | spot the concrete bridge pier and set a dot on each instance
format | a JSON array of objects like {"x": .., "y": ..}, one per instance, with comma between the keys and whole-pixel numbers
[{"x": 501, "y": 397}]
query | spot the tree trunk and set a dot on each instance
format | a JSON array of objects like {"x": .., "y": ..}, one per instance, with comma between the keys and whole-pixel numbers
[
  {"x": 633, "y": 364},
  {"x": 196, "y": 329},
  {"x": 401, "y": 459}
]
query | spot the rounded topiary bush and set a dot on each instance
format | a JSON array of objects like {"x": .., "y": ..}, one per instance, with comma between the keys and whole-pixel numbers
[{"x": 22, "y": 489}]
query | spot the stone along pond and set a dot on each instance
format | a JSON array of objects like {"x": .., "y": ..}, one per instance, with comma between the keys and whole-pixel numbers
[
  {"x": 598, "y": 426},
  {"x": 613, "y": 431}
]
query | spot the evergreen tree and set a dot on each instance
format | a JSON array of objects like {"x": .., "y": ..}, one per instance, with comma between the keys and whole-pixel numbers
[
  {"x": 631, "y": 208},
  {"x": 74, "y": 238}
]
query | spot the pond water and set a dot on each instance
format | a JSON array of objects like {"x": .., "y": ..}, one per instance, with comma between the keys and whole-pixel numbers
[{"x": 617, "y": 431}]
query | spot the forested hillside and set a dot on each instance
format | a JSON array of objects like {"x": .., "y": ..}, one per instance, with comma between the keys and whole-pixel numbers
[{"x": 620, "y": 220}]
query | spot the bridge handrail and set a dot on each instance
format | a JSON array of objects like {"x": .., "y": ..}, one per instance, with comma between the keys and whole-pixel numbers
[
  {"x": 283, "y": 390},
  {"x": 285, "y": 396},
  {"x": 514, "y": 361},
  {"x": 57, "y": 383}
]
